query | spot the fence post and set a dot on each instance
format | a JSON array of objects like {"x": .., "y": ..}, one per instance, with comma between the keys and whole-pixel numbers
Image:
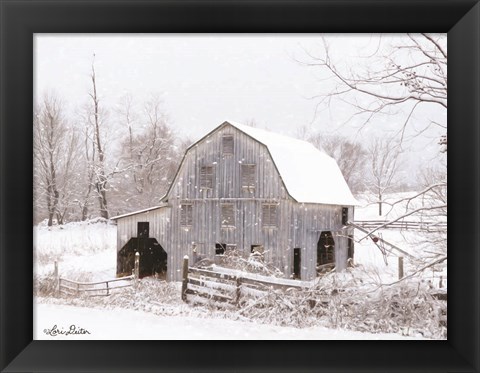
[
  {"x": 137, "y": 267},
  {"x": 185, "y": 278},
  {"x": 400, "y": 267},
  {"x": 238, "y": 294},
  {"x": 57, "y": 279},
  {"x": 440, "y": 283}
]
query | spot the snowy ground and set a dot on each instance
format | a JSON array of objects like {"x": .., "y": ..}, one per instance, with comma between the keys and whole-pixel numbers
[
  {"x": 368, "y": 254},
  {"x": 86, "y": 251},
  {"x": 120, "y": 324}
]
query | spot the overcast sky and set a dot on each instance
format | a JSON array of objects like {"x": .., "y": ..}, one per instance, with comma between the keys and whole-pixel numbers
[{"x": 207, "y": 79}]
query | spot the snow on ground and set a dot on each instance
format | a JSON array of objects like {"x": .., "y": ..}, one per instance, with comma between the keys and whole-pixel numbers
[
  {"x": 85, "y": 251},
  {"x": 369, "y": 255},
  {"x": 120, "y": 324}
]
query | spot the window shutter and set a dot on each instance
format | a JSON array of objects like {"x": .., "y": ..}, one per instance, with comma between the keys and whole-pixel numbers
[
  {"x": 186, "y": 215},
  {"x": 228, "y": 215},
  {"x": 248, "y": 175},
  {"x": 270, "y": 215},
  {"x": 228, "y": 144},
  {"x": 206, "y": 177}
]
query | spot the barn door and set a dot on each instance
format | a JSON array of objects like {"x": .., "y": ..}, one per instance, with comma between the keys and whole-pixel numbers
[
  {"x": 296, "y": 263},
  {"x": 325, "y": 249}
]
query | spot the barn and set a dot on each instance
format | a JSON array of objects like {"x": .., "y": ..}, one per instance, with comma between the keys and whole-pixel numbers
[{"x": 250, "y": 190}]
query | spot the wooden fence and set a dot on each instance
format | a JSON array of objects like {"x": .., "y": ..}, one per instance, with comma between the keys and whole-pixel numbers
[
  {"x": 429, "y": 226},
  {"x": 201, "y": 286},
  {"x": 75, "y": 288},
  {"x": 226, "y": 290}
]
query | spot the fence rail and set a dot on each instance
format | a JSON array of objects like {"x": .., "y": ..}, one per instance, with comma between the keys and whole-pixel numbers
[
  {"x": 225, "y": 290},
  {"x": 70, "y": 287},
  {"x": 429, "y": 226}
]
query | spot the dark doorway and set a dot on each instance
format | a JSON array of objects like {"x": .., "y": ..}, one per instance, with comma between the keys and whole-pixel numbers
[
  {"x": 220, "y": 248},
  {"x": 325, "y": 249},
  {"x": 345, "y": 215},
  {"x": 143, "y": 229},
  {"x": 350, "y": 248},
  {"x": 153, "y": 258},
  {"x": 296, "y": 263}
]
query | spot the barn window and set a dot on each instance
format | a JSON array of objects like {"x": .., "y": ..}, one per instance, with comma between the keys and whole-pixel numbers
[
  {"x": 143, "y": 228},
  {"x": 186, "y": 214},
  {"x": 257, "y": 251},
  {"x": 227, "y": 144},
  {"x": 269, "y": 215},
  {"x": 248, "y": 176},
  {"x": 228, "y": 215},
  {"x": 220, "y": 248},
  {"x": 345, "y": 215},
  {"x": 206, "y": 177}
]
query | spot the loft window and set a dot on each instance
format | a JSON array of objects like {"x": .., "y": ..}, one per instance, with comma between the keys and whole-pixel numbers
[
  {"x": 344, "y": 215},
  {"x": 227, "y": 144},
  {"x": 269, "y": 215},
  {"x": 186, "y": 214},
  {"x": 206, "y": 177},
  {"x": 143, "y": 228},
  {"x": 228, "y": 215},
  {"x": 248, "y": 176}
]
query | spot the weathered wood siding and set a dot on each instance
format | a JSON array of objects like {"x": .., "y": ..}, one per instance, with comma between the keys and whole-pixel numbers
[
  {"x": 298, "y": 225},
  {"x": 206, "y": 230},
  {"x": 159, "y": 220}
]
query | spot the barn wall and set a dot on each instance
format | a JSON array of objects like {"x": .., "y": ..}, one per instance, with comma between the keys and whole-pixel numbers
[
  {"x": 299, "y": 225},
  {"x": 159, "y": 228},
  {"x": 206, "y": 230}
]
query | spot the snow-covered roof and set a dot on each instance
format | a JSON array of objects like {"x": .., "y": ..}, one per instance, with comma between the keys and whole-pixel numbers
[
  {"x": 309, "y": 174},
  {"x": 138, "y": 212}
]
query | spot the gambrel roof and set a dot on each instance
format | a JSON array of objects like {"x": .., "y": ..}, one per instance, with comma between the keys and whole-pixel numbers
[{"x": 309, "y": 174}]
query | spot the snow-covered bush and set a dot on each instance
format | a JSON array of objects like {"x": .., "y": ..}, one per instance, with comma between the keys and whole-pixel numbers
[
  {"x": 350, "y": 301},
  {"x": 44, "y": 285},
  {"x": 254, "y": 263}
]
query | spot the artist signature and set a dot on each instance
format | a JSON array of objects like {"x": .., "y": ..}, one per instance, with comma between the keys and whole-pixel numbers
[{"x": 73, "y": 329}]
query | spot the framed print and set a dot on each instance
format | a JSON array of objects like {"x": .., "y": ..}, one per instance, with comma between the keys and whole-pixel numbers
[{"x": 254, "y": 233}]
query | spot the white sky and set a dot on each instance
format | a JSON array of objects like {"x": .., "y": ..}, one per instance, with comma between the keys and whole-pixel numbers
[{"x": 206, "y": 79}]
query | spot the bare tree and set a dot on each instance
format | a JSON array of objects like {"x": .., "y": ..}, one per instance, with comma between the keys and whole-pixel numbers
[
  {"x": 100, "y": 179},
  {"x": 383, "y": 155},
  {"x": 55, "y": 151},
  {"x": 402, "y": 77},
  {"x": 410, "y": 74},
  {"x": 146, "y": 170}
]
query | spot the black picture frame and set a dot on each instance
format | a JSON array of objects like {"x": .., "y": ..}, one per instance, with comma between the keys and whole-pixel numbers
[{"x": 21, "y": 19}]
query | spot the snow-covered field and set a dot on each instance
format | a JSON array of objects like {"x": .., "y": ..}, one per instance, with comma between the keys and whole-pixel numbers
[
  {"x": 86, "y": 251},
  {"x": 120, "y": 324},
  {"x": 413, "y": 242}
]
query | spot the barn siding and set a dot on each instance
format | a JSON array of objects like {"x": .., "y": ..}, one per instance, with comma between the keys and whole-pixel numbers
[
  {"x": 159, "y": 228},
  {"x": 299, "y": 225}
]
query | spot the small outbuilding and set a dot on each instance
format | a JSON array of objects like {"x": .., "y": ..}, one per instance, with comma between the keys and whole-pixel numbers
[{"x": 250, "y": 190}]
